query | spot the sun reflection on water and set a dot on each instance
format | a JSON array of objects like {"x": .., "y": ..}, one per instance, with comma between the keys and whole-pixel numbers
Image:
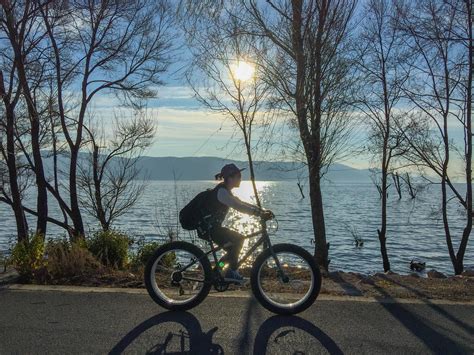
[{"x": 243, "y": 223}]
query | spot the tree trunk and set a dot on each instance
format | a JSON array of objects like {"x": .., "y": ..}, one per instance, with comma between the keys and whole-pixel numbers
[
  {"x": 319, "y": 227},
  {"x": 97, "y": 190},
  {"x": 20, "y": 218},
  {"x": 76, "y": 216},
  {"x": 459, "y": 265},
  {"x": 42, "y": 196},
  {"x": 382, "y": 232},
  {"x": 311, "y": 141},
  {"x": 252, "y": 172}
]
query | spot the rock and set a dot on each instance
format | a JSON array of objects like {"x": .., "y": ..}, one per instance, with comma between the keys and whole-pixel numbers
[
  {"x": 468, "y": 272},
  {"x": 415, "y": 275},
  {"x": 368, "y": 281},
  {"x": 356, "y": 275},
  {"x": 433, "y": 274}
]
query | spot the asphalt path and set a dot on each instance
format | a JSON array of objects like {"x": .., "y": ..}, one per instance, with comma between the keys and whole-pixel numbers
[{"x": 66, "y": 322}]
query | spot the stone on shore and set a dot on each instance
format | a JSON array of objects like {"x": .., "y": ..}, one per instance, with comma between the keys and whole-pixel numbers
[
  {"x": 468, "y": 272},
  {"x": 433, "y": 274}
]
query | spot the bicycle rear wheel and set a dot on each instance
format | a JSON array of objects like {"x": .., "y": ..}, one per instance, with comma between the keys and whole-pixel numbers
[
  {"x": 178, "y": 276},
  {"x": 288, "y": 284}
]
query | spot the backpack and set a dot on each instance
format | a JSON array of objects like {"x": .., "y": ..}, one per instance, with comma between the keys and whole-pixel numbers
[{"x": 192, "y": 214}]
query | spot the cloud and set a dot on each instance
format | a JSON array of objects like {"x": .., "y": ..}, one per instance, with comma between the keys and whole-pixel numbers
[{"x": 174, "y": 92}]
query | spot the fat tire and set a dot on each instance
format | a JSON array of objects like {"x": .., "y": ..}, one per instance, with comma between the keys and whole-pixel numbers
[
  {"x": 278, "y": 248},
  {"x": 191, "y": 248}
]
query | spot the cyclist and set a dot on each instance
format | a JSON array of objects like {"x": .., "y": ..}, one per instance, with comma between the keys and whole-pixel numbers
[{"x": 218, "y": 205}]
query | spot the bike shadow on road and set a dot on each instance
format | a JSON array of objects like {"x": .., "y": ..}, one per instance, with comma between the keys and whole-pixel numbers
[
  {"x": 291, "y": 333},
  {"x": 274, "y": 331},
  {"x": 199, "y": 342},
  {"x": 282, "y": 334}
]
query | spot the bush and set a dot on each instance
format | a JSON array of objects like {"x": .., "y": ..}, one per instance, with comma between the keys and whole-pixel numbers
[
  {"x": 67, "y": 259},
  {"x": 110, "y": 247},
  {"x": 28, "y": 257},
  {"x": 4, "y": 261},
  {"x": 145, "y": 250}
]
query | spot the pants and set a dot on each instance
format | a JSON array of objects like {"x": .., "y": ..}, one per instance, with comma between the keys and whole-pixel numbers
[{"x": 232, "y": 243}]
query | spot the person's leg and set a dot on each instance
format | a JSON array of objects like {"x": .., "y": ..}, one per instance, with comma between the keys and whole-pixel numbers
[{"x": 232, "y": 243}]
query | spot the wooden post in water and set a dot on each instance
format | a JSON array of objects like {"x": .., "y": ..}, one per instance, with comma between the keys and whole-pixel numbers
[{"x": 301, "y": 189}]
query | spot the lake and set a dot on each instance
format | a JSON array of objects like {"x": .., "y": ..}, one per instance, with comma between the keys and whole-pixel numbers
[{"x": 415, "y": 227}]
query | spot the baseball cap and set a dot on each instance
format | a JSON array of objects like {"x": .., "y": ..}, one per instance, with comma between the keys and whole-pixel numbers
[{"x": 228, "y": 170}]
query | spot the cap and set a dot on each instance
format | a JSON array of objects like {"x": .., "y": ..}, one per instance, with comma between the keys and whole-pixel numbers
[{"x": 228, "y": 170}]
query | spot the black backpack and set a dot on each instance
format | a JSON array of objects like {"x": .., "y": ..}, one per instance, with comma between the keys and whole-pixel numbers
[{"x": 194, "y": 212}]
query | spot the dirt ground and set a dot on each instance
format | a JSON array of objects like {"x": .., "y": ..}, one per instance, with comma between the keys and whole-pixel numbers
[{"x": 456, "y": 288}]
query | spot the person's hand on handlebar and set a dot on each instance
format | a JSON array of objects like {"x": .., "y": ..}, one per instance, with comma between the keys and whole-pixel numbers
[{"x": 267, "y": 215}]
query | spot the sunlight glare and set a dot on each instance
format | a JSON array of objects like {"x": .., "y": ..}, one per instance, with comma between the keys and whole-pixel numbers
[{"x": 243, "y": 71}]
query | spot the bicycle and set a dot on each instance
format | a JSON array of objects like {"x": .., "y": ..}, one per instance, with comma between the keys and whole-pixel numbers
[{"x": 284, "y": 277}]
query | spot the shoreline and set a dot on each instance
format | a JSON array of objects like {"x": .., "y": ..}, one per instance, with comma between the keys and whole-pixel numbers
[{"x": 337, "y": 283}]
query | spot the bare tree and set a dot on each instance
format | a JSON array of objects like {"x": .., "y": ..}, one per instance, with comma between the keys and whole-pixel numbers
[
  {"x": 440, "y": 89},
  {"x": 108, "y": 177},
  {"x": 311, "y": 75},
  {"x": 226, "y": 77},
  {"x": 412, "y": 190},
  {"x": 10, "y": 188},
  {"x": 380, "y": 55},
  {"x": 102, "y": 47}
]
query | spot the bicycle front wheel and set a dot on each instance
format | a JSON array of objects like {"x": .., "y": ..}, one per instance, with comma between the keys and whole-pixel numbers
[
  {"x": 286, "y": 281},
  {"x": 178, "y": 276}
]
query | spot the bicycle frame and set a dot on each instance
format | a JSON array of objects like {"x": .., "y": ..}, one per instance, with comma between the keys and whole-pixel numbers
[{"x": 264, "y": 239}]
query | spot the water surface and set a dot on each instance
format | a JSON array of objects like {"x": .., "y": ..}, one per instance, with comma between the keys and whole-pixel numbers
[{"x": 415, "y": 228}]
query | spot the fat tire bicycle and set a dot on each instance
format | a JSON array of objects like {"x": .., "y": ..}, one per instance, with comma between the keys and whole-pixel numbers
[{"x": 284, "y": 278}]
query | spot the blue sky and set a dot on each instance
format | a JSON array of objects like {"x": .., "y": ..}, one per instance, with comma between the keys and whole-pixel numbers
[{"x": 185, "y": 128}]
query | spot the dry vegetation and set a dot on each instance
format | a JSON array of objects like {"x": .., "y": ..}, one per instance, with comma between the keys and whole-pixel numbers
[{"x": 386, "y": 286}]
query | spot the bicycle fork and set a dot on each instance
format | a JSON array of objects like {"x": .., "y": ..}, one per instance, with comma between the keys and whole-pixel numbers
[{"x": 280, "y": 272}]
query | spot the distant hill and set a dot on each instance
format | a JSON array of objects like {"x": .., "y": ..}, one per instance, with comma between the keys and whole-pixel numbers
[{"x": 204, "y": 168}]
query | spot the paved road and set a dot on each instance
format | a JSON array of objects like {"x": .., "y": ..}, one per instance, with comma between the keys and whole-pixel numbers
[{"x": 78, "y": 322}]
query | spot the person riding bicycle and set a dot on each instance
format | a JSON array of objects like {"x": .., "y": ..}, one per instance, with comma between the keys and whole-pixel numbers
[{"x": 218, "y": 206}]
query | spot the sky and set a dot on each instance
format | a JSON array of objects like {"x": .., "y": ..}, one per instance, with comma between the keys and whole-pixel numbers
[{"x": 186, "y": 129}]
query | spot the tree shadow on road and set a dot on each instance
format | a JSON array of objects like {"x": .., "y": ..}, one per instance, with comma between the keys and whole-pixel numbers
[
  {"x": 199, "y": 342},
  {"x": 435, "y": 307},
  {"x": 436, "y": 340}
]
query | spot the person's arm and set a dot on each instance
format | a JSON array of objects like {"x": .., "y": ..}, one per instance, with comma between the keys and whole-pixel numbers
[{"x": 226, "y": 198}]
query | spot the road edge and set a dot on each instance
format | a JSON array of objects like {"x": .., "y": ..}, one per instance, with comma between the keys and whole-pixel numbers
[{"x": 228, "y": 294}]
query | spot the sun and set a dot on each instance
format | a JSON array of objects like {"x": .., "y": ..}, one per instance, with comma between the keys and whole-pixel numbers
[{"x": 243, "y": 70}]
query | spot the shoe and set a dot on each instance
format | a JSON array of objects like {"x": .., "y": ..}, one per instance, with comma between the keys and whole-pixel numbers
[{"x": 234, "y": 277}]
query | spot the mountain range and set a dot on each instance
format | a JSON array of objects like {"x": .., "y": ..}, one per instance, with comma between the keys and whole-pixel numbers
[{"x": 204, "y": 168}]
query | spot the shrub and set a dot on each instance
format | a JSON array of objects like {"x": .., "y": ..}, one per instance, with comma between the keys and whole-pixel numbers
[
  {"x": 110, "y": 247},
  {"x": 145, "y": 250},
  {"x": 28, "y": 257},
  {"x": 67, "y": 259},
  {"x": 4, "y": 260}
]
